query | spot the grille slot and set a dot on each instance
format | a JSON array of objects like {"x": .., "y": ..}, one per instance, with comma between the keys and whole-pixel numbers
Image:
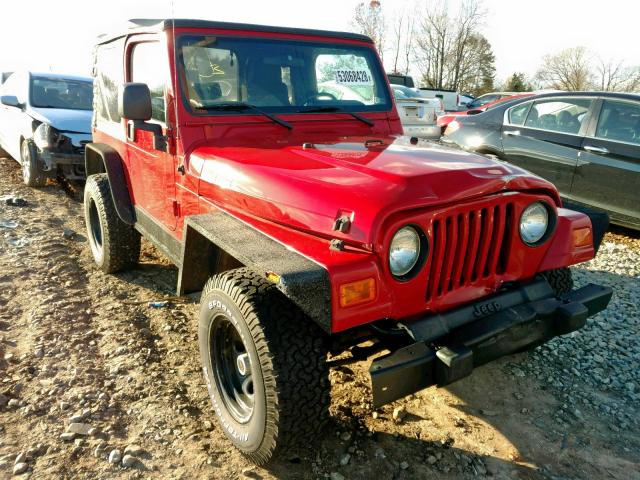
[{"x": 468, "y": 247}]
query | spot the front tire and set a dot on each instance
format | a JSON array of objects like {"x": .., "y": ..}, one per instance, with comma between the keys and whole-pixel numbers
[
  {"x": 32, "y": 173},
  {"x": 114, "y": 244},
  {"x": 264, "y": 363}
]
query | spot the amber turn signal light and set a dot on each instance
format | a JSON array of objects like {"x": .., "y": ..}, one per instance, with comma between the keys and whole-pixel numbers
[
  {"x": 355, "y": 293},
  {"x": 582, "y": 237}
]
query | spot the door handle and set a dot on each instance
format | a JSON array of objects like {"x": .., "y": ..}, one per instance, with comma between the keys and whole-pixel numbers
[
  {"x": 592, "y": 149},
  {"x": 513, "y": 133}
]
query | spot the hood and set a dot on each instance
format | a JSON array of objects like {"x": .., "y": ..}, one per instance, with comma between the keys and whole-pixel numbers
[
  {"x": 308, "y": 187},
  {"x": 77, "y": 121}
]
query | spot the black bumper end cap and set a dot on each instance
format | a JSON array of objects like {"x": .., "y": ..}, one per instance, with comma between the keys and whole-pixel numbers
[
  {"x": 569, "y": 318},
  {"x": 454, "y": 363},
  {"x": 402, "y": 373}
]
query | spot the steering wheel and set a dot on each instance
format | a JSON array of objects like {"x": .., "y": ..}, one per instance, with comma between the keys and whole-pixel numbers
[{"x": 319, "y": 96}]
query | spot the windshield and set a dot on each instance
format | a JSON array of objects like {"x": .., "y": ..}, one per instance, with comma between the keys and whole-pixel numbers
[
  {"x": 483, "y": 100},
  {"x": 401, "y": 92},
  {"x": 49, "y": 92},
  {"x": 280, "y": 76}
]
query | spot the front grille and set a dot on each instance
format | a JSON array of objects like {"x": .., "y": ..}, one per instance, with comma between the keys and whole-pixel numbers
[{"x": 469, "y": 246}]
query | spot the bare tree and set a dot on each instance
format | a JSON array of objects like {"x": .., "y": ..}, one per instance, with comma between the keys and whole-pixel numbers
[
  {"x": 616, "y": 77},
  {"x": 433, "y": 43},
  {"x": 465, "y": 38},
  {"x": 568, "y": 70},
  {"x": 398, "y": 30},
  {"x": 409, "y": 42},
  {"x": 369, "y": 20},
  {"x": 449, "y": 47},
  {"x": 403, "y": 36}
]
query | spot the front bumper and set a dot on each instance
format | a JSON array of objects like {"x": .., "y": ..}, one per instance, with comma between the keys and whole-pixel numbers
[
  {"x": 71, "y": 164},
  {"x": 431, "y": 132},
  {"x": 449, "y": 346}
]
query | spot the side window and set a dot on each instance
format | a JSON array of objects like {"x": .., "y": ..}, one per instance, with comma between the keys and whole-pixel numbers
[
  {"x": 517, "y": 114},
  {"x": 109, "y": 75},
  {"x": 564, "y": 116},
  {"x": 148, "y": 65},
  {"x": 348, "y": 74},
  {"x": 619, "y": 121},
  {"x": 211, "y": 74}
]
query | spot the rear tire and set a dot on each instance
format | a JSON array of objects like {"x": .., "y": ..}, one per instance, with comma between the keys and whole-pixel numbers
[
  {"x": 32, "y": 173},
  {"x": 264, "y": 363},
  {"x": 561, "y": 280},
  {"x": 114, "y": 244}
]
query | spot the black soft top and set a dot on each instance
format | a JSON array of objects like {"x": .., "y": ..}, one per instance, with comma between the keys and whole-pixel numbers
[{"x": 148, "y": 25}]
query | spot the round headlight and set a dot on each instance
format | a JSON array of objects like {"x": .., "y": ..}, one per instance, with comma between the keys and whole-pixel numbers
[
  {"x": 534, "y": 223},
  {"x": 404, "y": 251}
]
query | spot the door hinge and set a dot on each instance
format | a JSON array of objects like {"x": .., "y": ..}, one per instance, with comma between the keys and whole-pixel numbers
[{"x": 176, "y": 208}]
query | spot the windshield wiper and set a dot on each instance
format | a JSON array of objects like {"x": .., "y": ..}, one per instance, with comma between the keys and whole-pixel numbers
[
  {"x": 333, "y": 108},
  {"x": 242, "y": 106}
]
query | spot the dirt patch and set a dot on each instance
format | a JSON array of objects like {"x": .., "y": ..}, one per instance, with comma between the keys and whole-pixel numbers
[{"x": 79, "y": 346}]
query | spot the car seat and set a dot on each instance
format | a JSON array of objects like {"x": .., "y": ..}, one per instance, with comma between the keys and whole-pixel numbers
[
  {"x": 208, "y": 91},
  {"x": 613, "y": 128},
  {"x": 532, "y": 118},
  {"x": 567, "y": 122},
  {"x": 548, "y": 121},
  {"x": 265, "y": 86},
  {"x": 38, "y": 95}
]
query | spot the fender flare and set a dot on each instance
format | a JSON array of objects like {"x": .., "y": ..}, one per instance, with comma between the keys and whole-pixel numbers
[
  {"x": 101, "y": 158},
  {"x": 207, "y": 237}
]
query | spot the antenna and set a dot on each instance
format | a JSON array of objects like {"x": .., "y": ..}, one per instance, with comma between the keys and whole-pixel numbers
[{"x": 175, "y": 85}]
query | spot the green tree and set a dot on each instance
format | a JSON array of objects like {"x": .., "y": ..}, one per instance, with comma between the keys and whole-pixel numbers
[{"x": 517, "y": 83}]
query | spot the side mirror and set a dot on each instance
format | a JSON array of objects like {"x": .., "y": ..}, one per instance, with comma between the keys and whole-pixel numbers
[
  {"x": 134, "y": 102},
  {"x": 134, "y": 105},
  {"x": 10, "y": 101}
]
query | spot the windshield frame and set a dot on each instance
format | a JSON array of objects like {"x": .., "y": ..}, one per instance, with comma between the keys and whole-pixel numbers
[
  {"x": 33, "y": 78},
  {"x": 376, "y": 70}
]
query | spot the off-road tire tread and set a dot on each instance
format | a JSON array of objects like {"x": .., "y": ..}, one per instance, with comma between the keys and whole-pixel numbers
[
  {"x": 293, "y": 353},
  {"x": 120, "y": 241},
  {"x": 38, "y": 178},
  {"x": 561, "y": 280}
]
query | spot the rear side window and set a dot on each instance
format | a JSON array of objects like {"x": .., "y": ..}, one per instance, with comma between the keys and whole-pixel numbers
[
  {"x": 517, "y": 114},
  {"x": 619, "y": 121},
  {"x": 148, "y": 66},
  {"x": 109, "y": 75},
  {"x": 564, "y": 116}
]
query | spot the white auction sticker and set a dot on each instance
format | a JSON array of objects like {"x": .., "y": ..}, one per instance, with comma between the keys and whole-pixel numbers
[{"x": 354, "y": 77}]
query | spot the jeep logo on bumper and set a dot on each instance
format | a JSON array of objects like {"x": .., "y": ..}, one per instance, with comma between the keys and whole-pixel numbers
[{"x": 487, "y": 308}]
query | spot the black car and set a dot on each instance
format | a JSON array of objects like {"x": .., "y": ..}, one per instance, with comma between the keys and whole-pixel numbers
[{"x": 586, "y": 143}]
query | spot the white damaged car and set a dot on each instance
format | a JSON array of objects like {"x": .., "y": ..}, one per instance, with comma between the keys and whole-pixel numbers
[{"x": 45, "y": 122}]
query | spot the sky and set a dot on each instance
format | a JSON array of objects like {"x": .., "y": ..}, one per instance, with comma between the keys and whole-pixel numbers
[{"x": 58, "y": 35}]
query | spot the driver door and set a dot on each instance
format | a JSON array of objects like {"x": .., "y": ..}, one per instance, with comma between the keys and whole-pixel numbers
[{"x": 151, "y": 170}]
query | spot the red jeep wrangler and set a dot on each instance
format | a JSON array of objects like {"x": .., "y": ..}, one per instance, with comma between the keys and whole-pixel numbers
[{"x": 269, "y": 165}]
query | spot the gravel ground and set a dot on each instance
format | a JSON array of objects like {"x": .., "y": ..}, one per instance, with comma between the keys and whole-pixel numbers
[
  {"x": 597, "y": 367},
  {"x": 95, "y": 383}
]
